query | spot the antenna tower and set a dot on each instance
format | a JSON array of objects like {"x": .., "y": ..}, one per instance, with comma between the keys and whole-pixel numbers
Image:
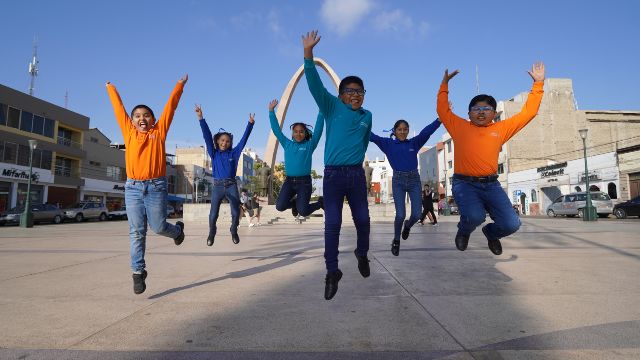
[{"x": 33, "y": 67}]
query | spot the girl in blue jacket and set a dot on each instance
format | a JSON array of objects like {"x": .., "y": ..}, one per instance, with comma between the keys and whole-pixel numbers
[{"x": 403, "y": 157}]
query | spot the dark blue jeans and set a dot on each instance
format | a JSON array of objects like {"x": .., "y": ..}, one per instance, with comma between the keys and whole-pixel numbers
[
  {"x": 475, "y": 199},
  {"x": 300, "y": 186},
  {"x": 338, "y": 182},
  {"x": 403, "y": 183},
  {"x": 224, "y": 188}
]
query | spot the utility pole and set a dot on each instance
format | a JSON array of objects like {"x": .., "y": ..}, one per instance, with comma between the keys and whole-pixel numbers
[{"x": 33, "y": 67}]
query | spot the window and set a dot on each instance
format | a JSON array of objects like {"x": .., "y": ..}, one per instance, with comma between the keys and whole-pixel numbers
[
  {"x": 10, "y": 152},
  {"x": 94, "y": 163},
  {"x": 1, "y": 152},
  {"x": 23, "y": 155},
  {"x": 64, "y": 137},
  {"x": 534, "y": 196},
  {"x": 3, "y": 114},
  {"x": 38, "y": 125},
  {"x": 612, "y": 190},
  {"x": 450, "y": 163},
  {"x": 577, "y": 189},
  {"x": 594, "y": 188},
  {"x": 114, "y": 172},
  {"x": 94, "y": 140},
  {"x": 49, "y": 124},
  {"x": 47, "y": 158},
  {"x": 26, "y": 121},
  {"x": 500, "y": 168},
  {"x": 37, "y": 158},
  {"x": 63, "y": 167},
  {"x": 13, "y": 118},
  {"x": 448, "y": 146},
  {"x": 171, "y": 184}
]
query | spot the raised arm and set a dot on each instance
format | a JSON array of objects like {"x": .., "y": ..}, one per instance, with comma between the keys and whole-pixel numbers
[
  {"x": 275, "y": 126},
  {"x": 426, "y": 133},
  {"x": 206, "y": 133},
  {"x": 317, "y": 131},
  {"x": 123, "y": 119},
  {"x": 447, "y": 117},
  {"x": 247, "y": 132},
  {"x": 325, "y": 101},
  {"x": 170, "y": 107},
  {"x": 530, "y": 109}
]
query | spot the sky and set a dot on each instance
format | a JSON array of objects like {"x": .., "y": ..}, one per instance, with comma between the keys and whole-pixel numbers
[{"x": 241, "y": 54}]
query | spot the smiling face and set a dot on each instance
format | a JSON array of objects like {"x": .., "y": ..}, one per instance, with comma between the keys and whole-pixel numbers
[
  {"x": 142, "y": 119},
  {"x": 299, "y": 133},
  {"x": 353, "y": 94},
  {"x": 401, "y": 131},
  {"x": 482, "y": 113},
  {"x": 223, "y": 142}
]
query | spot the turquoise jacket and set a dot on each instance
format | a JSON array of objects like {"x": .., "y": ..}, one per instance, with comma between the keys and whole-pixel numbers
[{"x": 297, "y": 155}]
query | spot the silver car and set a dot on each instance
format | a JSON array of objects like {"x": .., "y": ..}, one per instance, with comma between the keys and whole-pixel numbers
[
  {"x": 41, "y": 213},
  {"x": 86, "y": 210},
  {"x": 573, "y": 204}
]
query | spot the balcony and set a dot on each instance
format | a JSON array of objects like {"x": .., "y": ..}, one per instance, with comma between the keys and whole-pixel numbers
[
  {"x": 67, "y": 176},
  {"x": 69, "y": 143}
]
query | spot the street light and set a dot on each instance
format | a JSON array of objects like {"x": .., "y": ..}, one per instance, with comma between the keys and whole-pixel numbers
[
  {"x": 26, "y": 219},
  {"x": 589, "y": 213}
]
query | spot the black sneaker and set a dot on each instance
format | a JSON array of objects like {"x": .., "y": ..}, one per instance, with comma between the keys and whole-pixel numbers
[
  {"x": 138, "y": 282},
  {"x": 331, "y": 284},
  {"x": 235, "y": 238},
  {"x": 462, "y": 241},
  {"x": 180, "y": 237},
  {"x": 395, "y": 247},
  {"x": 405, "y": 231},
  {"x": 294, "y": 208},
  {"x": 363, "y": 264},
  {"x": 494, "y": 244},
  {"x": 321, "y": 201},
  {"x": 210, "y": 239}
]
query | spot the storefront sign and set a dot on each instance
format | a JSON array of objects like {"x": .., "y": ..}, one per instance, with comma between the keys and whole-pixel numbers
[
  {"x": 118, "y": 187},
  {"x": 18, "y": 172},
  {"x": 552, "y": 170}
]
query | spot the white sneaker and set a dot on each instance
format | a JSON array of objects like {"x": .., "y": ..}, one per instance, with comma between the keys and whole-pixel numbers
[
  {"x": 434, "y": 225},
  {"x": 259, "y": 224},
  {"x": 252, "y": 225}
]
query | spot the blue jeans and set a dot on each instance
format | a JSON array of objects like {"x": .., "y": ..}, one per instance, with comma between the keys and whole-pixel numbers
[
  {"x": 300, "y": 186},
  {"x": 224, "y": 188},
  {"x": 404, "y": 182},
  {"x": 475, "y": 199},
  {"x": 338, "y": 182},
  {"x": 146, "y": 201}
]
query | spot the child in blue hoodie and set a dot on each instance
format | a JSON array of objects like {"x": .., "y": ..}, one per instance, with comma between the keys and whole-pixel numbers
[
  {"x": 402, "y": 154},
  {"x": 224, "y": 159},
  {"x": 297, "y": 164}
]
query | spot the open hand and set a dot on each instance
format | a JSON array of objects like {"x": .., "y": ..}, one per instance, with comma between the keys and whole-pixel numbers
[
  {"x": 199, "y": 111},
  {"x": 308, "y": 42},
  {"x": 272, "y": 104},
  {"x": 537, "y": 71},
  {"x": 252, "y": 118},
  {"x": 447, "y": 76}
]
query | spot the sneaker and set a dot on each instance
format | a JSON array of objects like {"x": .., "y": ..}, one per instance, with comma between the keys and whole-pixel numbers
[
  {"x": 395, "y": 247},
  {"x": 462, "y": 241},
  {"x": 331, "y": 284},
  {"x": 363, "y": 264},
  {"x": 294, "y": 209},
  {"x": 494, "y": 244},
  {"x": 259, "y": 224},
  {"x": 210, "y": 239},
  {"x": 436, "y": 224},
  {"x": 138, "y": 282},
  {"x": 405, "y": 231},
  {"x": 235, "y": 238},
  {"x": 252, "y": 225},
  {"x": 321, "y": 201},
  {"x": 180, "y": 237},
  {"x": 421, "y": 223}
]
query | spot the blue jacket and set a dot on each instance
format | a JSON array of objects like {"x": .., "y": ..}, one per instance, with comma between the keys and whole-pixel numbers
[
  {"x": 347, "y": 129},
  {"x": 403, "y": 155},
  {"x": 297, "y": 155},
  {"x": 224, "y": 163}
]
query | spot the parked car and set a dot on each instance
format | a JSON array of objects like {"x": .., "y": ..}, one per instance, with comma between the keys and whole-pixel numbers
[
  {"x": 573, "y": 204},
  {"x": 118, "y": 214},
  {"x": 87, "y": 210},
  {"x": 627, "y": 208},
  {"x": 41, "y": 213}
]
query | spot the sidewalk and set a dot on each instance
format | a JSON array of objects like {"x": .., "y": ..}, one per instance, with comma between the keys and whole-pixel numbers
[{"x": 561, "y": 290}]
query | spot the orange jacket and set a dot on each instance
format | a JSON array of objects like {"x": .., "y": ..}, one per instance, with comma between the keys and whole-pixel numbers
[
  {"x": 145, "y": 152},
  {"x": 477, "y": 147}
]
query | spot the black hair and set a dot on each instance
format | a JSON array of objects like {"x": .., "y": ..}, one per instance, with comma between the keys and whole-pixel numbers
[
  {"x": 395, "y": 126},
  {"x": 141, "y": 106},
  {"x": 349, "y": 80},
  {"x": 485, "y": 98},
  {"x": 307, "y": 133},
  {"x": 217, "y": 136}
]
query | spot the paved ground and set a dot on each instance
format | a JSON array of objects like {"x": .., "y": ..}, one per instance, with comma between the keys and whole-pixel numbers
[{"x": 563, "y": 289}]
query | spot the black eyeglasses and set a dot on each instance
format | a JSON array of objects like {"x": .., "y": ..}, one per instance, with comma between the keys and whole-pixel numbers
[
  {"x": 481, "y": 108},
  {"x": 350, "y": 91}
]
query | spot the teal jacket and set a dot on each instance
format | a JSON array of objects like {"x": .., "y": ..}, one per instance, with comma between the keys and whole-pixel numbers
[
  {"x": 347, "y": 129},
  {"x": 297, "y": 155}
]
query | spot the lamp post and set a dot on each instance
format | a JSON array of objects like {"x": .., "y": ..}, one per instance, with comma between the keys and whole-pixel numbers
[
  {"x": 26, "y": 219},
  {"x": 589, "y": 213}
]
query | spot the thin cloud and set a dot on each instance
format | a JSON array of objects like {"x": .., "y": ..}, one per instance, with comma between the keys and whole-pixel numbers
[
  {"x": 397, "y": 21},
  {"x": 344, "y": 16}
]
